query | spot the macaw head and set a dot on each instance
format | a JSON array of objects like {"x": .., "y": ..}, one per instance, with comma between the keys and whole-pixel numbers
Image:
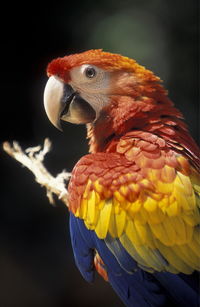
[{"x": 103, "y": 89}]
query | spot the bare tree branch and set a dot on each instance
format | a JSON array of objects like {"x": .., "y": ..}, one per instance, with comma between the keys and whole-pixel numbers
[{"x": 33, "y": 158}]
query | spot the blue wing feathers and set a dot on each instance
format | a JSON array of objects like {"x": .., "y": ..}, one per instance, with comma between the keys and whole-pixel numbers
[
  {"x": 192, "y": 280},
  {"x": 134, "y": 286},
  {"x": 180, "y": 288},
  {"x": 83, "y": 253}
]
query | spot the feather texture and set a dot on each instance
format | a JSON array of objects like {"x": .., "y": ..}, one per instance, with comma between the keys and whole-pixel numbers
[{"x": 154, "y": 219}]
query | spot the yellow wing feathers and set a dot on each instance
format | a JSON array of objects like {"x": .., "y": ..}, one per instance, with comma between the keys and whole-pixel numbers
[{"x": 153, "y": 219}]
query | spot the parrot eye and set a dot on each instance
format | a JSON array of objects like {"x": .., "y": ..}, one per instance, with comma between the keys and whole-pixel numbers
[
  {"x": 87, "y": 75},
  {"x": 90, "y": 72}
]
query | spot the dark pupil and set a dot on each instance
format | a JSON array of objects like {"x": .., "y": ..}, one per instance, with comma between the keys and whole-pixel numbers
[{"x": 90, "y": 72}]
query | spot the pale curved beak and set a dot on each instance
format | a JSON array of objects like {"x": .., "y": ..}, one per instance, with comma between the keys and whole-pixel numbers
[
  {"x": 53, "y": 94},
  {"x": 61, "y": 101}
]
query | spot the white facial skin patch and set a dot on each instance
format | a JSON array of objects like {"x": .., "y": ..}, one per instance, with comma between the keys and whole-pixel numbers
[{"x": 93, "y": 89}]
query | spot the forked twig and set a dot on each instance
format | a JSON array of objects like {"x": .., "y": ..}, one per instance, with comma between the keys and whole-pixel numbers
[{"x": 33, "y": 158}]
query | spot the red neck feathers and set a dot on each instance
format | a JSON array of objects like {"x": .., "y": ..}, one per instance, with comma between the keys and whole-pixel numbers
[
  {"x": 154, "y": 113},
  {"x": 144, "y": 108}
]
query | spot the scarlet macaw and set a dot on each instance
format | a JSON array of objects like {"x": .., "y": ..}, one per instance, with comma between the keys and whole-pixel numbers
[{"x": 134, "y": 200}]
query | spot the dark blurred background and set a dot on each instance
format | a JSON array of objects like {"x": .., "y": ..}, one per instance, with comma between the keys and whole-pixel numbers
[{"x": 36, "y": 261}]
